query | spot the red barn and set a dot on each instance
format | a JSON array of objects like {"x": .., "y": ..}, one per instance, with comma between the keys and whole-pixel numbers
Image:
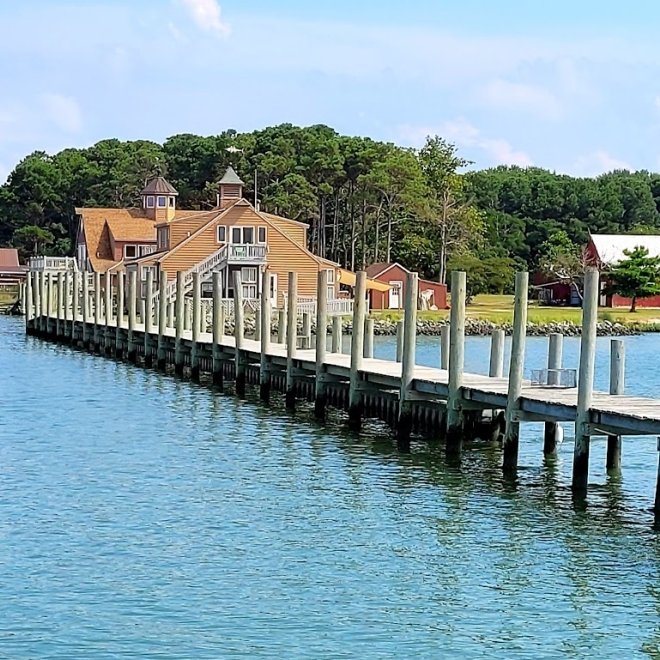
[
  {"x": 432, "y": 295},
  {"x": 605, "y": 250}
]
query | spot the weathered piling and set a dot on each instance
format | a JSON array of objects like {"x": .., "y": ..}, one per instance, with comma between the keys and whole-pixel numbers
[
  {"x": 49, "y": 298},
  {"x": 357, "y": 351},
  {"x": 282, "y": 323},
  {"x": 264, "y": 339},
  {"x": 239, "y": 335},
  {"x": 75, "y": 300},
  {"x": 336, "y": 339},
  {"x": 585, "y": 381},
  {"x": 107, "y": 313},
  {"x": 196, "y": 326},
  {"x": 161, "y": 355},
  {"x": 455, "y": 415},
  {"x": 29, "y": 297},
  {"x": 306, "y": 339},
  {"x": 170, "y": 314},
  {"x": 67, "y": 302},
  {"x": 218, "y": 329},
  {"x": 399, "y": 341},
  {"x": 406, "y": 394},
  {"x": 496, "y": 366},
  {"x": 516, "y": 372},
  {"x": 97, "y": 310},
  {"x": 42, "y": 301},
  {"x": 148, "y": 318},
  {"x": 369, "y": 338},
  {"x": 617, "y": 387},
  {"x": 59, "y": 331},
  {"x": 551, "y": 430},
  {"x": 291, "y": 339},
  {"x": 119, "y": 349},
  {"x": 445, "y": 339},
  {"x": 321, "y": 390},
  {"x": 132, "y": 313},
  {"x": 85, "y": 309},
  {"x": 179, "y": 314},
  {"x": 257, "y": 324}
]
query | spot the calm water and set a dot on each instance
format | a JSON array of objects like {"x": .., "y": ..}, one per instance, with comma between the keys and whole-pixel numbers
[{"x": 141, "y": 516}]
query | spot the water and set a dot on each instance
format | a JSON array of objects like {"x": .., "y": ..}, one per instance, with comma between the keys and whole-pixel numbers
[{"x": 141, "y": 516}]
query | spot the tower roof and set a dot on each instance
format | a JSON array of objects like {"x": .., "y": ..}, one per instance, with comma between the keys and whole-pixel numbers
[
  {"x": 158, "y": 185},
  {"x": 231, "y": 177}
]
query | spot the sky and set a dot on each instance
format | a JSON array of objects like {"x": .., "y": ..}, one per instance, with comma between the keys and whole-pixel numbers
[{"x": 572, "y": 86}]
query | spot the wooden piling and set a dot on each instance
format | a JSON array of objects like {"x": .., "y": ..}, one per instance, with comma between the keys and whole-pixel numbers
[
  {"x": 42, "y": 301},
  {"x": 29, "y": 298},
  {"x": 179, "y": 319},
  {"x": 306, "y": 341},
  {"x": 355, "y": 405},
  {"x": 218, "y": 328},
  {"x": 321, "y": 389},
  {"x": 445, "y": 340},
  {"x": 291, "y": 339},
  {"x": 49, "y": 299},
  {"x": 455, "y": 416},
  {"x": 257, "y": 323},
  {"x": 97, "y": 310},
  {"x": 399, "y": 341},
  {"x": 369, "y": 338},
  {"x": 107, "y": 313},
  {"x": 196, "y": 326},
  {"x": 170, "y": 314},
  {"x": 132, "y": 309},
  {"x": 264, "y": 338},
  {"x": 496, "y": 367},
  {"x": 75, "y": 300},
  {"x": 60, "y": 306},
  {"x": 161, "y": 355},
  {"x": 617, "y": 387},
  {"x": 405, "y": 422},
  {"x": 516, "y": 372},
  {"x": 67, "y": 302},
  {"x": 551, "y": 430},
  {"x": 85, "y": 309},
  {"x": 335, "y": 341},
  {"x": 239, "y": 334},
  {"x": 585, "y": 380},
  {"x": 148, "y": 319},
  {"x": 119, "y": 325},
  {"x": 281, "y": 325}
]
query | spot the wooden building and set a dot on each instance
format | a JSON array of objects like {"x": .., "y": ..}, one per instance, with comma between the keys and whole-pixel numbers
[
  {"x": 605, "y": 250},
  {"x": 11, "y": 271},
  {"x": 432, "y": 295}
]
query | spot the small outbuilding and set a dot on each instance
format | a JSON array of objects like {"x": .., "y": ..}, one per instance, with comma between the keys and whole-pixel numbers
[
  {"x": 432, "y": 295},
  {"x": 11, "y": 271}
]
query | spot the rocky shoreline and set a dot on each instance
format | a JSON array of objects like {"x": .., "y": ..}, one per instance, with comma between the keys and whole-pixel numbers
[{"x": 476, "y": 328}]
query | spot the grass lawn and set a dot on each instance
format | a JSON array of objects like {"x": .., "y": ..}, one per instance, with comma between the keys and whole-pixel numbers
[{"x": 499, "y": 309}]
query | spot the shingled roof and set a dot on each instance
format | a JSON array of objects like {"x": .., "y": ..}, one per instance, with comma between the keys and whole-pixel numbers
[
  {"x": 158, "y": 185},
  {"x": 231, "y": 177}
]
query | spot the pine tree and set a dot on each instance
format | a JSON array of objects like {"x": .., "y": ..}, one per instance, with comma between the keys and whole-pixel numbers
[{"x": 637, "y": 276}]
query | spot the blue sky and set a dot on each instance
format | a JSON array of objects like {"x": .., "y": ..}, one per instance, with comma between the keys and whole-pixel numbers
[{"x": 571, "y": 86}]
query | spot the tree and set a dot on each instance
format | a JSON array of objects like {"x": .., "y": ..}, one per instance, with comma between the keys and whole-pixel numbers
[
  {"x": 483, "y": 275},
  {"x": 563, "y": 259},
  {"x": 32, "y": 239},
  {"x": 637, "y": 276}
]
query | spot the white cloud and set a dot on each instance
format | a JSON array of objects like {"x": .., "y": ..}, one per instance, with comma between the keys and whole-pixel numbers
[
  {"x": 207, "y": 15},
  {"x": 461, "y": 132},
  {"x": 63, "y": 111},
  {"x": 520, "y": 97},
  {"x": 598, "y": 162}
]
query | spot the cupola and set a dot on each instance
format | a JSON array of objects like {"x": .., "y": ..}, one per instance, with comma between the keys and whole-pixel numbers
[
  {"x": 231, "y": 187},
  {"x": 159, "y": 199}
]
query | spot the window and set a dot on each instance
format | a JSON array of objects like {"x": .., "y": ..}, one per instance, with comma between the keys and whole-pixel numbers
[
  {"x": 171, "y": 202},
  {"x": 261, "y": 235},
  {"x": 162, "y": 238},
  {"x": 150, "y": 202},
  {"x": 130, "y": 251},
  {"x": 146, "y": 249},
  {"x": 146, "y": 269},
  {"x": 249, "y": 282},
  {"x": 331, "y": 275},
  {"x": 222, "y": 234},
  {"x": 162, "y": 202},
  {"x": 242, "y": 235}
]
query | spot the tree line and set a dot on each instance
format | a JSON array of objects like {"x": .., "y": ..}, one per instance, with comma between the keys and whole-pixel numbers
[{"x": 365, "y": 201}]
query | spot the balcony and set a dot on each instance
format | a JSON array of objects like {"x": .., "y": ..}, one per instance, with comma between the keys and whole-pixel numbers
[
  {"x": 246, "y": 253},
  {"x": 53, "y": 264}
]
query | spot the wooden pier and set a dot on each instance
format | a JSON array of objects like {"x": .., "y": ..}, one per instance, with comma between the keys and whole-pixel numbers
[{"x": 444, "y": 402}]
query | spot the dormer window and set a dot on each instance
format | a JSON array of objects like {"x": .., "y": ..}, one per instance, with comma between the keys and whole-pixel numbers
[
  {"x": 130, "y": 251},
  {"x": 162, "y": 202},
  {"x": 151, "y": 201}
]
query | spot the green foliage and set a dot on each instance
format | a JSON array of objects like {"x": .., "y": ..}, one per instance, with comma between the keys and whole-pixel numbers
[
  {"x": 637, "y": 276},
  {"x": 32, "y": 239},
  {"x": 484, "y": 274}
]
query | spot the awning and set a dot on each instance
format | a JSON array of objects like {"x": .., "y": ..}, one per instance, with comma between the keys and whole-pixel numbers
[{"x": 349, "y": 278}]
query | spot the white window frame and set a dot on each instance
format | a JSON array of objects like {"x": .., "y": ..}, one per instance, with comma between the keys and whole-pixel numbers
[
  {"x": 398, "y": 285},
  {"x": 144, "y": 250},
  {"x": 162, "y": 202},
  {"x": 217, "y": 233},
  {"x": 151, "y": 201},
  {"x": 162, "y": 238},
  {"x": 145, "y": 270},
  {"x": 264, "y": 229},
  {"x": 135, "y": 247},
  {"x": 242, "y": 229},
  {"x": 171, "y": 202},
  {"x": 331, "y": 275},
  {"x": 248, "y": 271}
]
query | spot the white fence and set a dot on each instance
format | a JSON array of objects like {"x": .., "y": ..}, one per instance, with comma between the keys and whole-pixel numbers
[{"x": 53, "y": 264}]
